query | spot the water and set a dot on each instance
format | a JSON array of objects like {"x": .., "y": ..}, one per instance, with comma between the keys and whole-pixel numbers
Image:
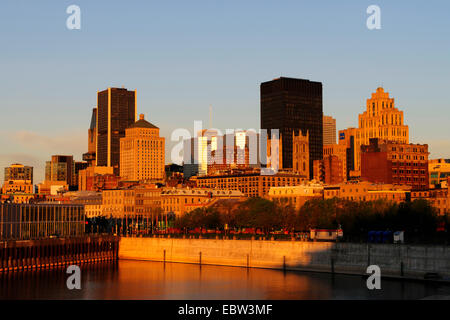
[{"x": 154, "y": 280}]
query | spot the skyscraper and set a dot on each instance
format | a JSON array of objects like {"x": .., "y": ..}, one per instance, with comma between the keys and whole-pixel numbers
[
  {"x": 329, "y": 130},
  {"x": 142, "y": 153},
  {"x": 90, "y": 156},
  {"x": 116, "y": 111},
  {"x": 61, "y": 169},
  {"x": 291, "y": 105},
  {"x": 380, "y": 120}
]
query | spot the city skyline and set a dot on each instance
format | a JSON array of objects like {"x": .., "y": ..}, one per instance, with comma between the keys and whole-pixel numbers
[{"x": 48, "y": 96}]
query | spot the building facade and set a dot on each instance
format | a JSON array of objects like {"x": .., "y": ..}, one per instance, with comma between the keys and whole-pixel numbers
[
  {"x": 296, "y": 196},
  {"x": 250, "y": 183},
  {"x": 18, "y": 185},
  {"x": 18, "y": 171},
  {"x": 300, "y": 154},
  {"x": 61, "y": 169},
  {"x": 347, "y": 139},
  {"x": 395, "y": 163},
  {"x": 142, "y": 153},
  {"x": 35, "y": 221},
  {"x": 329, "y": 170},
  {"x": 340, "y": 151},
  {"x": 116, "y": 111},
  {"x": 367, "y": 191},
  {"x": 291, "y": 105},
  {"x": 90, "y": 156},
  {"x": 183, "y": 200},
  {"x": 60, "y": 175},
  {"x": 380, "y": 120},
  {"x": 118, "y": 204},
  {"x": 439, "y": 170},
  {"x": 329, "y": 130}
]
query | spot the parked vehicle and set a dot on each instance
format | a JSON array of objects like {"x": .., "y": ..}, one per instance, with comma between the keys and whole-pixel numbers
[
  {"x": 326, "y": 234},
  {"x": 399, "y": 237},
  {"x": 385, "y": 237}
]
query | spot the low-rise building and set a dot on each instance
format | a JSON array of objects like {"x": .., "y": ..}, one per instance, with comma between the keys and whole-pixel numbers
[
  {"x": 182, "y": 201},
  {"x": 118, "y": 204},
  {"x": 296, "y": 196},
  {"x": 329, "y": 170},
  {"x": 367, "y": 191},
  {"x": 250, "y": 182},
  {"x": 92, "y": 202}
]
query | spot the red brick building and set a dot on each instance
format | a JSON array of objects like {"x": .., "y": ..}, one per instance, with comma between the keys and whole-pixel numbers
[
  {"x": 329, "y": 170},
  {"x": 391, "y": 162}
]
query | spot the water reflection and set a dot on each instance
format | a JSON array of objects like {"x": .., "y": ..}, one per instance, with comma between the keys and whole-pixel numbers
[{"x": 154, "y": 280}]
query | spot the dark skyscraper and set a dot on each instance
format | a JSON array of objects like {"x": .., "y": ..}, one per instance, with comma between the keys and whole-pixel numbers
[
  {"x": 116, "y": 111},
  {"x": 89, "y": 156},
  {"x": 291, "y": 105}
]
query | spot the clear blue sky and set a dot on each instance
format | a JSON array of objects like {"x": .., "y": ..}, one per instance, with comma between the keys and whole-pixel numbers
[{"x": 182, "y": 56}]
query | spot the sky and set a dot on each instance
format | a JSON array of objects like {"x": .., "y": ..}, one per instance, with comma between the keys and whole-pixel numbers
[{"x": 183, "y": 56}]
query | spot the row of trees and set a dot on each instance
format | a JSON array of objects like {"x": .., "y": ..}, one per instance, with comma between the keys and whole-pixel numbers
[{"x": 416, "y": 218}]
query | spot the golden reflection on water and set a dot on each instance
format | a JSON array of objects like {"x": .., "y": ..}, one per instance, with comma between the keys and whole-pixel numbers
[{"x": 156, "y": 280}]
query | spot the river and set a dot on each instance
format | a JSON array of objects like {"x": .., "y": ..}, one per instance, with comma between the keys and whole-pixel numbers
[{"x": 156, "y": 280}]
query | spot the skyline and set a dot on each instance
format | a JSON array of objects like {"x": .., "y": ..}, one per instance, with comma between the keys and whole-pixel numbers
[{"x": 179, "y": 67}]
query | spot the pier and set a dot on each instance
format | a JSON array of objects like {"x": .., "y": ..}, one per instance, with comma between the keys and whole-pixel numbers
[{"x": 18, "y": 255}]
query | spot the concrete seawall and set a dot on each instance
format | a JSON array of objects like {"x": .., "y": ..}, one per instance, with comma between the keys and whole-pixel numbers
[{"x": 409, "y": 261}]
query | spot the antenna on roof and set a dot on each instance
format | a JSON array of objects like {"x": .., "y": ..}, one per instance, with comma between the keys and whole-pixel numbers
[{"x": 210, "y": 116}]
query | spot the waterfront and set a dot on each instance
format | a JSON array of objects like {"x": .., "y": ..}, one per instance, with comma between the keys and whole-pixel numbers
[{"x": 155, "y": 280}]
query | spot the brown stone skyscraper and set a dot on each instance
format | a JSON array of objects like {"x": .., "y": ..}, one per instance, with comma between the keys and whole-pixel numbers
[
  {"x": 116, "y": 111},
  {"x": 291, "y": 105},
  {"x": 380, "y": 120},
  {"x": 142, "y": 153}
]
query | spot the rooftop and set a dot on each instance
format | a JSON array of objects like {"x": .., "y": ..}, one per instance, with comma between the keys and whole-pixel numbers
[{"x": 142, "y": 123}]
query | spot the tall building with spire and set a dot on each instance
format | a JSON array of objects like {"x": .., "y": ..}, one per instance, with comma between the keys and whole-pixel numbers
[
  {"x": 116, "y": 111},
  {"x": 380, "y": 120},
  {"x": 90, "y": 156}
]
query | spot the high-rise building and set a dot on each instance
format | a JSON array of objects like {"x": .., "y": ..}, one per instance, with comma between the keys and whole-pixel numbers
[
  {"x": 116, "y": 111},
  {"x": 347, "y": 139},
  {"x": 59, "y": 175},
  {"x": 380, "y": 120},
  {"x": 329, "y": 130},
  {"x": 142, "y": 153},
  {"x": 211, "y": 152},
  {"x": 90, "y": 156},
  {"x": 291, "y": 105},
  {"x": 61, "y": 168},
  {"x": 197, "y": 152},
  {"x": 19, "y": 172},
  {"x": 392, "y": 162}
]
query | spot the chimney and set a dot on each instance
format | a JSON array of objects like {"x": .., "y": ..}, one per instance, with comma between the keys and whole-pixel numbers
[{"x": 141, "y": 116}]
